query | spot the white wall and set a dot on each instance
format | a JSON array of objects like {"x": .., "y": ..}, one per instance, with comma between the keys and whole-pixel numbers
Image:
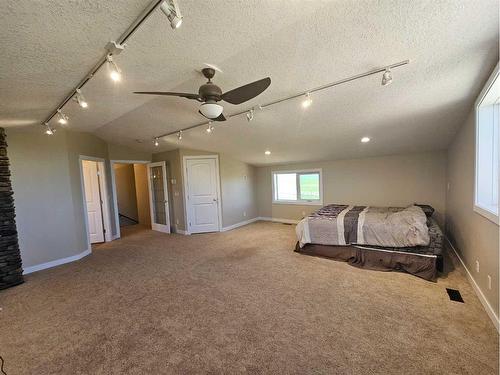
[{"x": 398, "y": 180}]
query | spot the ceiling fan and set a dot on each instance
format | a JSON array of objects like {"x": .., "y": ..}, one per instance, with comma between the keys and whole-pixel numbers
[{"x": 210, "y": 94}]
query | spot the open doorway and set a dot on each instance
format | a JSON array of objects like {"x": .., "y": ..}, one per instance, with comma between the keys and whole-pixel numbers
[{"x": 132, "y": 197}]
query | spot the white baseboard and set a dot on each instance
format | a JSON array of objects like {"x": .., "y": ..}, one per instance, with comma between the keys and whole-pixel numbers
[
  {"x": 180, "y": 231},
  {"x": 278, "y": 220},
  {"x": 240, "y": 224},
  {"x": 57, "y": 262},
  {"x": 477, "y": 290}
]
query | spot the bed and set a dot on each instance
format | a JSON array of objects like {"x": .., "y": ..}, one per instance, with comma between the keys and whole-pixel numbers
[{"x": 379, "y": 238}]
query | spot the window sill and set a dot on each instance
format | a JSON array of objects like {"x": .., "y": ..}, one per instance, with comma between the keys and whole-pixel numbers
[
  {"x": 487, "y": 214},
  {"x": 299, "y": 203}
]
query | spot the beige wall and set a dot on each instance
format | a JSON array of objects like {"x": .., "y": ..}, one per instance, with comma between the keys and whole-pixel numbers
[
  {"x": 142, "y": 194},
  {"x": 238, "y": 187},
  {"x": 398, "y": 180},
  {"x": 48, "y": 192},
  {"x": 126, "y": 195},
  {"x": 473, "y": 236}
]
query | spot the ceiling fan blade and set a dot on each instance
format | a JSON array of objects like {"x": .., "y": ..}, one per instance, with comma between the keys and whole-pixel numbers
[
  {"x": 181, "y": 94},
  {"x": 247, "y": 92},
  {"x": 220, "y": 118}
]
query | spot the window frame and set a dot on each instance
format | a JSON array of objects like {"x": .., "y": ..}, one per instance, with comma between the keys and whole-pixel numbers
[
  {"x": 298, "y": 173},
  {"x": 495, "y": 75}
]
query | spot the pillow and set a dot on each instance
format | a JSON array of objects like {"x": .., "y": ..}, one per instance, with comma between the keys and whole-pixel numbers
[{"x": 428, "y": 210}]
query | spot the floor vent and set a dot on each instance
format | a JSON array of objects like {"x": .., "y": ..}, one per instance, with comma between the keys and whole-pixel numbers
[{"x": 455, "y": 295}]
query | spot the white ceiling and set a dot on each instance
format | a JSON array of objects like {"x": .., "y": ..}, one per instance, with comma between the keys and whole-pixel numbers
[{"x": 48, "y": 46}]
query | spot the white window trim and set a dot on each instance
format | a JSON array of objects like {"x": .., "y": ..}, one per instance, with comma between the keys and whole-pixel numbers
[
  {"x": 477, "y": 208},
  {"x": 300, "y": 202}
]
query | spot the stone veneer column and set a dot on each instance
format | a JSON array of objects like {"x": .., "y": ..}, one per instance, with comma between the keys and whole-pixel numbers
[{"x": 11, "y": 271}]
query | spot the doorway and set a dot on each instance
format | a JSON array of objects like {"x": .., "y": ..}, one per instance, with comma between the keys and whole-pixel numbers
[
  {"x": 132, "y": 208},
  {"x": 202, "y": 193}
]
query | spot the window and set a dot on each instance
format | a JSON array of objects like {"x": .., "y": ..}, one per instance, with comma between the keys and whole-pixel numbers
[
  {"x": 487, "y": 149},
  {"x": 298, "y": 187}
]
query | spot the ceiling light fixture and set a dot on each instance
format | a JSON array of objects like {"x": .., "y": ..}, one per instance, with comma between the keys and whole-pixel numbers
[
  {"x": 387, "y": 77},
  {"x": 48, "y": 131},
  {"x": 156, "y": 143},
  {"x": 210, "y": 128},
  {"x": 250, "y": 115},
  {"x": 179, "y": 135},
  {"x": 267, "y": 152},
  {"x": 115, "y": 71},
  {"x": 173, "y": 13},
  {"x": 307, "y": 100},
  {"x": 81, "y": 99},
  {"x": 211, "y": 109},
  {"x": 365, "y": 139},
  {"x": 63, "y": 119},
  {"x": 307, "y": 94}
]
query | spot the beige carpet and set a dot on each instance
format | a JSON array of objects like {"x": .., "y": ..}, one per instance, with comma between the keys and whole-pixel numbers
[{"x": 238, "y": 302}]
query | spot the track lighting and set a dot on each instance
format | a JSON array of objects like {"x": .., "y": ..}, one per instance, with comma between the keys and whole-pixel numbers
[
  {"x": 250, "y": 115},
  {"x": 210, "y": 128},
  {"x": 115, "y": 71},
  {"x": 81, "y": 99},
  {"x": 267, "y": 152},
  {"x": 63, "y": 119},
  {"x": 156, "y": 143},
  {"x": 179, "y": 135},
  {"x": 387, "y": 77},
  {"x": 171, "y": 10},
  {"x": 307, "y": 101},
  {"x": 365, "y": 139},
  {"x": 48, "y": 131}
]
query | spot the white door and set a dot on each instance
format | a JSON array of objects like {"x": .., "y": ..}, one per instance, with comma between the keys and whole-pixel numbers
[
  {"x": 202, "y": 192},
  {"x": 158, "y": 196},
  {"x": 93, "y": 201}
]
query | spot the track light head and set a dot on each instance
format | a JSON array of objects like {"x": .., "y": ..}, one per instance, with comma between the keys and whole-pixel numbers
[
  {"x": 210, "y": 128},
  {"x": 63, "y": 119},
  {"x": 156, "y": 143},
  {"x": 173, "y": 13},
  {"x": 48, "y": 129},
  {"x": 250, "y": 115},
  {"x": 387, "y": 77},
  {"x": 81, "y": 99},
  {"x": 179, "y": 135},
  {"x": 307, "y": 101},
  {"x": 115, "y": 73}
]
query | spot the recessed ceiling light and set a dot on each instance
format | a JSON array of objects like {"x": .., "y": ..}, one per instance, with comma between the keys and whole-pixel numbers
[
  {"x": 365, "y": 139},
  {"x": 267, "y": 152}
]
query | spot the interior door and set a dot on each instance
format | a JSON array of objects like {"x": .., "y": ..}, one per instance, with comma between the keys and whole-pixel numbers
[
  {"x": 202, "y": 195},
  {"x": 158, "y": 196},
  {"x": 93, "y": 201}
]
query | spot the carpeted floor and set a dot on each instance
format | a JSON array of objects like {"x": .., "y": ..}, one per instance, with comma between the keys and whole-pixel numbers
[{"x": 238, "y": 302}]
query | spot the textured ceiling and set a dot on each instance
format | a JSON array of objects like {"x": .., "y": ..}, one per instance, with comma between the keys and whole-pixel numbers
[{"x": 48, "y": 46}]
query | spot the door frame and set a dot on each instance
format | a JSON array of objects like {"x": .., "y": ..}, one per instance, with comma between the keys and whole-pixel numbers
[
  {"x": 113, "y": 190},
  {"x": 105, "y": 209},
  {"x": 185, "y": 188},
  {"x": 165, "y": 187}
]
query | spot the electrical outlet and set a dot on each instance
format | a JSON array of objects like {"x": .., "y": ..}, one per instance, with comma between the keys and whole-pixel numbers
[
  {"x": 489, "y": 282},
  {"x": 477, "y": 265},
  {"x": 244, "y": 213}
]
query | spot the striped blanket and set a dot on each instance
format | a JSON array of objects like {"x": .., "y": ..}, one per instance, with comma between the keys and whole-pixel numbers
[{"x": 337, "y": 224}]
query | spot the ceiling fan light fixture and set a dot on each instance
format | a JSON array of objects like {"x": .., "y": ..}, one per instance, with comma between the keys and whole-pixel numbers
[
  {"x": 387, "y": 77},
  {"x": 211, "y": 109},
  {"x": 171, "y": 9},
  {"x": 307, "y": 101}
]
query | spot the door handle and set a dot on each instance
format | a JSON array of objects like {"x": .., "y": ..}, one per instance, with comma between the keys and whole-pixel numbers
[{"x": 215, "y": 200}]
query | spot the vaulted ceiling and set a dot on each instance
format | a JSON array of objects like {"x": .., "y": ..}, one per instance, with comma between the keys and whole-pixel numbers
[{"x": 47, "y": 47}]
